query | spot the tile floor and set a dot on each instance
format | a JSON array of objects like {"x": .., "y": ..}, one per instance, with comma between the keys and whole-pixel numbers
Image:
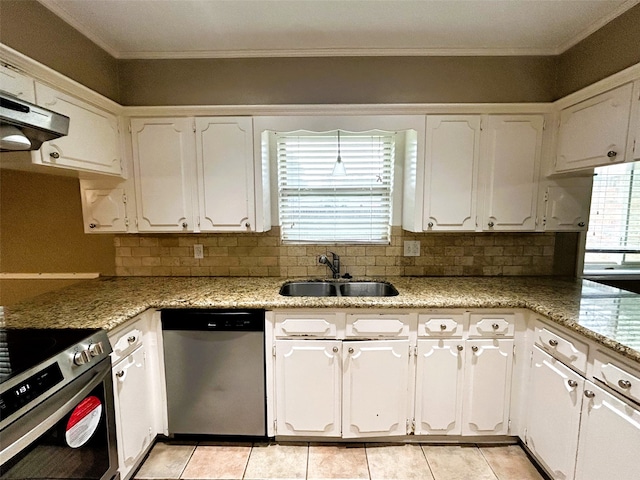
[{"x": 304, "y": 461}]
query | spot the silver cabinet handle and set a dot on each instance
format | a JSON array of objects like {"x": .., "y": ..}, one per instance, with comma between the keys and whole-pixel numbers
[
  {"x": 120, "y": 374},
  {"x": 495, "y": 326},
  {"x": 553, "y": 343},
  {"x": 581, "y": 224},
  {"x": 491, "y": 224},
  {"x": 624, "y": 384},
  {"x": 589, "y": 394},
  {"x": 54, "y": 155},
  {"x": 185, "y": 224},
  {"x": 131, "y": 339},
  {"x": 474, "y": 348},
  {"x": 92, "y": 225},
  {"x": 612, "y": 153},
  {"x": 247, "y": 225},
  {"x": 350, "y": 349},
  {"x": 460, "y": 348},
  {"x": 572, "y": 383},
  {"x": 335, "y": 349},
  {"x": 430, "y": 224},
  {"x": 443, "y": 326}
]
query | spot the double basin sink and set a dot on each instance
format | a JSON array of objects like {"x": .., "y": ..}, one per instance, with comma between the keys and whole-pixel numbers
[{"x": 320, "y": 288}]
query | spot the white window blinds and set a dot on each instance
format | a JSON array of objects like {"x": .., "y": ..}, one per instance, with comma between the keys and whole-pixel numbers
[
  {"x": 614, "y": 221},
  {"x": 320, "y": 204}
]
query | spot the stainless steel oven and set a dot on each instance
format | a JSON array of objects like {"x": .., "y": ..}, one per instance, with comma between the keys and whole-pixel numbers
[{"x": 57, "y": 416}]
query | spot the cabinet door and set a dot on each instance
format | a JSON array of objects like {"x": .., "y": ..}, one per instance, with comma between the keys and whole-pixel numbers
[
  {"x": 308, "y": 387},
  {"x": 510, "y": 164},
  {"x": 488, "y": 365},
  {"x": 133, "y": 415},
  {"x": 17, "y": 84},
  {"x": 451, "y": 172},
  {"x": 225, "y": 173},
  {"x": 439, "y": 384},
  {"x": 609, "y": 437},
  {"x": 104, "y": 210},
  {"x": 164, "y": 172},
  {"x": 594, "y": 132},
  {"x": 93, "y": 140},
  {"x": 553, "y": 419},
  {"x": 375, "y": 385},
  {"x": 635, "y": 141},
  {"x": 567, "y": 204}
]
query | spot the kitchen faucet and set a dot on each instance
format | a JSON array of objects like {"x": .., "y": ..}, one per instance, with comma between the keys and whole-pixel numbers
[{"x": 334, "y": 266}]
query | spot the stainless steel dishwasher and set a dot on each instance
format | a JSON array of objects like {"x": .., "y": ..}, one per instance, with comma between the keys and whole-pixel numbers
[{"x": 215, "y": 371}]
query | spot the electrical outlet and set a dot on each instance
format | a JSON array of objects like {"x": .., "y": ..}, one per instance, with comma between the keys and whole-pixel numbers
[
  {"x": 198, "y": 251},
  {"x": 411, "y": 248}
]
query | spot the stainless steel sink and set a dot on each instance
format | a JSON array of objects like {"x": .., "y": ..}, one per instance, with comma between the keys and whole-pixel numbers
[
  {"x": 309, "y": 289},
  {"x": 338, "y": 289}
]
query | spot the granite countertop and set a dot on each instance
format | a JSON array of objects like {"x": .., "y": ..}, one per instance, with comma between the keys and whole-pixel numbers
[{"x": 605, "y": 314}]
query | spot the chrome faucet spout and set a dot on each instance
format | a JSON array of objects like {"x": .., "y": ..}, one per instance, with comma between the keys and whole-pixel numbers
[{"x": 334, "y": 265}]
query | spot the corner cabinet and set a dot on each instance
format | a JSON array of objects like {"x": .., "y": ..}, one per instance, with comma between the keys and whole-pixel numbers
[
  {"x": 195, "y": 174},
  {"x": 93, "y": 142},
  {"x": 594, "y": 133},
  {"x": 164, "y": 172}
]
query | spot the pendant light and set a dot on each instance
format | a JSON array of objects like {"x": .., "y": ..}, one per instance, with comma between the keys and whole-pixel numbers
[{"x": 338, "y": 168}]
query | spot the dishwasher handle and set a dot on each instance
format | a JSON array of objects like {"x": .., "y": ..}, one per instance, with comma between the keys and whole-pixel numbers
[{"x": 213, "y": 320}]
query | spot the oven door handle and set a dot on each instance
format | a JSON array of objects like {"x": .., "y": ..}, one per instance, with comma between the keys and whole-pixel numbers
[{"x": 52, "y": 418}]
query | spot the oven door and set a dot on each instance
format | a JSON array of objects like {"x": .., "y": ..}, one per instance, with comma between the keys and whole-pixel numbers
[{"x": 69, "y": 435}]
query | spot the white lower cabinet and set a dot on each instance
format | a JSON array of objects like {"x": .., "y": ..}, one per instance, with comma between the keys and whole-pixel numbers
[
  {"x": 487, "y": 378},
  {"x": 308, "y": 379},
  {"x": 609, "y": 437},
  {"x": 131, "y": 387},
  {"x": 375, "y": 384},
  {"x": 555, "y": 396}
]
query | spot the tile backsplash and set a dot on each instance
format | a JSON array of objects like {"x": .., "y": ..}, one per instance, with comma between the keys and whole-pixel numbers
[{"x": 263, "y": 254}]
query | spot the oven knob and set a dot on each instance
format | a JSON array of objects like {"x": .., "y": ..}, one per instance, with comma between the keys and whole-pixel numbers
[
  {"x": 82, "y": 357},
  {"x": 95, "y": 349}
]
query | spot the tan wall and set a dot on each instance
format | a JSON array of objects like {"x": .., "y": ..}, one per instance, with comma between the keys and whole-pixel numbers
[
  {"x": 31, "y": 29},
  {"x": 614, "y": 47},
  {"x": 267, "y": 81},
  {"x": 41, "y": 231},
  {"x": 262, "y": 254}
]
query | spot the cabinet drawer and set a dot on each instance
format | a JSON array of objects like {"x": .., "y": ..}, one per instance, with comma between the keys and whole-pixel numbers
[
  {"x": 125, "y": 343},
  {"x": 617, "y": 376},
  {"x": 377, "y": 325},
  {"x": 306, "y": 325},
  {"x": 568, "y": 350},
  {"x": 491, "y": 325},
  {"x": 440, "y": 325}
]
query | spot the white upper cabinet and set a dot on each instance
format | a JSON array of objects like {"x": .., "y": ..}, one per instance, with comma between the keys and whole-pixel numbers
[
  {"x": 104, "y": 210},
  {"x": 17, "y": 84},
  {"x": 93, "y": 142},
  {"x": 164, "y": 172},
  {"x": 511, "y": 151},
  {"x": 594, "y": 132},
  {"x": 451, "y": 169},
  {"x": 566, "y": 204},
  {"x": 224, "y": 148}
]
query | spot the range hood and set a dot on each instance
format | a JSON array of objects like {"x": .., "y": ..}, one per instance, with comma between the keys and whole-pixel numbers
[{"x": 24, "y": 126}]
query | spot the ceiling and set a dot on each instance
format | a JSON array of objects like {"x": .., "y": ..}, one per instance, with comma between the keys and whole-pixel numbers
[{"x": 270, "y": 28}]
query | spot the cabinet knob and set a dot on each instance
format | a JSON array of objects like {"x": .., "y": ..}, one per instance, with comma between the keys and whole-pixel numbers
[
  {"x": 491, "y": 224},
  {"x": 460, "y": 348},
  {"x": 335, "y": 349},
  {"x": 185, "y": 224},
  {"x": 572, "y": 383},
  {"x": 443, "y": 326},
  {"x": 54, "y": 155},
  {"x": 553, "y": 343},
  {"x": 612, "y": 153},
  {"x": 92, "y": 225},
  {"x": 350, "y": 349},
  {"x": 581, "y": 224},
  {"x": 131, "y": 339},
  {"x": 495, "y": 326},
  {"x": 474, "y": 348},
  {"x": 626, "y": 384},
  {"x": 430, "y": 224},
  {"x": 247, "y": 225},
  {"x": 120, "y": 374},
  {"x": 589, "y": 394}
]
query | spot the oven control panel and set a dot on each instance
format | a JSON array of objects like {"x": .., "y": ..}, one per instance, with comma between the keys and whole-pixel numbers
[{"x": 22, "y": 393}]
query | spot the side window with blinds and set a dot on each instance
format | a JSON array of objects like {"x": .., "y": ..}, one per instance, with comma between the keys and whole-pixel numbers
[
  {"x": 335, "y": 186},
  {"x": 613, "y": 239}
]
